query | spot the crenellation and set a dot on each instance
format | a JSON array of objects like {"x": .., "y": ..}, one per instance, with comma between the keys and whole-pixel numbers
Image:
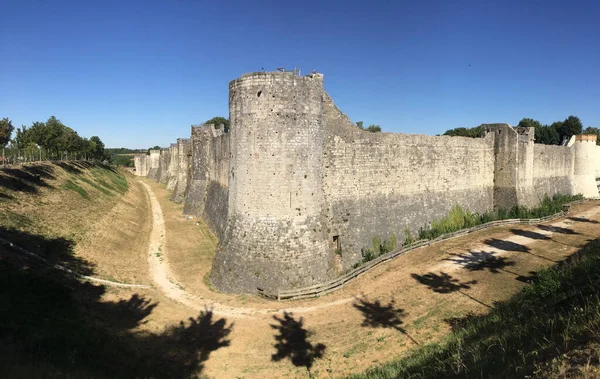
[{"x": 294, "y": 191}]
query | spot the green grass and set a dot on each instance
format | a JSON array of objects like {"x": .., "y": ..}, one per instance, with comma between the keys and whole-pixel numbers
[
  {"x": 110, "y": 178},
  {"x": 96, "y": 186},
  {"x": 458, "y": 219},
  {"x": 73, "y": 186},
  {"x": 559, "y": 312}
]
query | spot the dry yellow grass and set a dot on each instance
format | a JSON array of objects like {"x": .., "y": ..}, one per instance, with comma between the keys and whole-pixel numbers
[
  {"x": 338, "y": 324},
  {"x": 113, "y": 235}
]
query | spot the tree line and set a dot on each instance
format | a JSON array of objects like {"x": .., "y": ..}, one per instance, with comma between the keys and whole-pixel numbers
[
  {"x": 52, "y": 137},
  {"x": 552, "y": 134}
]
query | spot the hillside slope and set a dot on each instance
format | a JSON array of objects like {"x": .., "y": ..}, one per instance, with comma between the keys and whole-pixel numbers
[{"x": 95, "y": 221}]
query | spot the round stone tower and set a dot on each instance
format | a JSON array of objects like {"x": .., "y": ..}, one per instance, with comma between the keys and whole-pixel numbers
[
  {"x": 276, "y": 236},
  {"x": 584, "y": 181}
]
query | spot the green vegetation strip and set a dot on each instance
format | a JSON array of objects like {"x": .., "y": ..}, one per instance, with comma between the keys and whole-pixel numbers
[
  {"x": 523, "y": 337},
  {"x": 72, "y": 186},
  {"x": 457, "y": 223}
]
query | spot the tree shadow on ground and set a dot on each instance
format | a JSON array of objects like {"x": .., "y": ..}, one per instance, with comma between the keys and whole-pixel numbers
[
  {"x": 581, "y": 219},
  {"x": 22, "y": 179},
  {"x": 445, "y": 283},
  {"x": 528, "y": 279},
  {"x": 56, "y": 250},
  {"x": 292, "y": 342},
  {"x": 41, "y": 170},
  {"x": 6, "y": 196},
  {"x": 53, "y": 324},
  {"x": 378, "y": 315},
  {"x": 524, "y": 336},
  {"x": 69, "y": 167},
  {"x": 442, "y": 282},
  {"x": 83, "y": 164},
  {"x": 530, "y": 234},
  {"x": 557, "y": 229},
  {"x": 482, "y": 260},
  {"x": 506, "y": 245}
]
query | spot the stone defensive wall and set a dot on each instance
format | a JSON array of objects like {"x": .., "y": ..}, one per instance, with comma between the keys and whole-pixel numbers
[
  {"x": 295, "y": 190},
  {"x": 207, "y": 194},
  {"x": 153, "y": 163}
]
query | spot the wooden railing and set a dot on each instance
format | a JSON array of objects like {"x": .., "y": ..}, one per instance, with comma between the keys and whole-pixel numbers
[{"x": 337, "y": 283}]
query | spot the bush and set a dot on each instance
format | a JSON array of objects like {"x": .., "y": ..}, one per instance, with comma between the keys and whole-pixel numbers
[{"x": 459, "y": 219}]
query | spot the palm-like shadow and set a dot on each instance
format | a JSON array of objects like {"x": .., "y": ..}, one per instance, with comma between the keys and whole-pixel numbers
[
  {"x": 442, "y": 282},
  {"x": 482, "y": 260},
  {"x": 529, "y": 234},
  {"x": 52, "y": 324},
  {"x": 445, "y": 283},
  {"x": 506, "y": 245},
  {"x": 378, "y": 315},
  {"x": 581, "y": 219},
  {"x": 557, "y": 229},
  {"x": 292, "y": 342}
]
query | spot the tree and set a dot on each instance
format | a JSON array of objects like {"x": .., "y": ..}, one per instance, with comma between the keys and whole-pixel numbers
[
  {"x": 530, "y": 123},
  {"x": 6, "y": 129},
  {"x": 373, "y": 128},
  {"x": 52, "y": 134},
  {"x": 544, "y": 134},
  {"x": 22, "y": 137},
  {"x": 547, "y": 135},
  {"x": 96, "y": 147},
  {"x": 570, "y": 127},
  {"x": 216, "y": 121},
  {"x": 360, "y": 124},
  {"x": 465, "y": 132}
]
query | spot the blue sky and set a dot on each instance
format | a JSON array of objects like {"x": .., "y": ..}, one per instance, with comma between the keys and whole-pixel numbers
[{"x": 139, "y": 74}]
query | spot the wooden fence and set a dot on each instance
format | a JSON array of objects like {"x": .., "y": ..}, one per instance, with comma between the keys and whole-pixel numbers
[{"x": 335, "y": 284}]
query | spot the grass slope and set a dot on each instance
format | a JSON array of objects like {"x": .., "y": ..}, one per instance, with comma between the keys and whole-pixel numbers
[
  {"x": 59, "y": 199},
  {"x": 550, "y": 329},
  {"x": 53, "y": 325}
]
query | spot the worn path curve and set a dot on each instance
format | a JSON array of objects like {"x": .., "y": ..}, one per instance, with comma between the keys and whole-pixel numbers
[{"x": 161, "y": 273}]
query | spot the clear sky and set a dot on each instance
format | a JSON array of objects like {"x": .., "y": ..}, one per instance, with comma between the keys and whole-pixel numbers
[{"x": 139, "y": 73}]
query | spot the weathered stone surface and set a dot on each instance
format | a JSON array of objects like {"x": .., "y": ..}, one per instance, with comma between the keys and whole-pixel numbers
[
  {"x": 163, "y": 166},
  {"x": 153, "y": 162},
  {"x": 183, "y": 169},
  {"x": 207, "y": 194},
  {"x": 141, "y": 164},
  {"x": 173, "y": 166},
  {"x": 295, "y": 182}
]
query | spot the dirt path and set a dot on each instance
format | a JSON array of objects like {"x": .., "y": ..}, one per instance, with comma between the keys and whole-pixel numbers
[
  {"x": 420, "y": 291},
  {"x": 164, "y": 278}
]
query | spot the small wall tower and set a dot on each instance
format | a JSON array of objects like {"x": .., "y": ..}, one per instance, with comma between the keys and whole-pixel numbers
[{"x": 584, "y": 180}]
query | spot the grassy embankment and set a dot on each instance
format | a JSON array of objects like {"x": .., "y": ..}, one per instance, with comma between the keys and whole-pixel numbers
[
  {"x": 53, "y": 325},
  {"x": 550, "y": 329}
]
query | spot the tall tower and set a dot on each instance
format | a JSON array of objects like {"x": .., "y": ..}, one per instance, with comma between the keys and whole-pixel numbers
[
  {"x": 584, "y": 179},
  {"x": 276, "y": 235}
]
